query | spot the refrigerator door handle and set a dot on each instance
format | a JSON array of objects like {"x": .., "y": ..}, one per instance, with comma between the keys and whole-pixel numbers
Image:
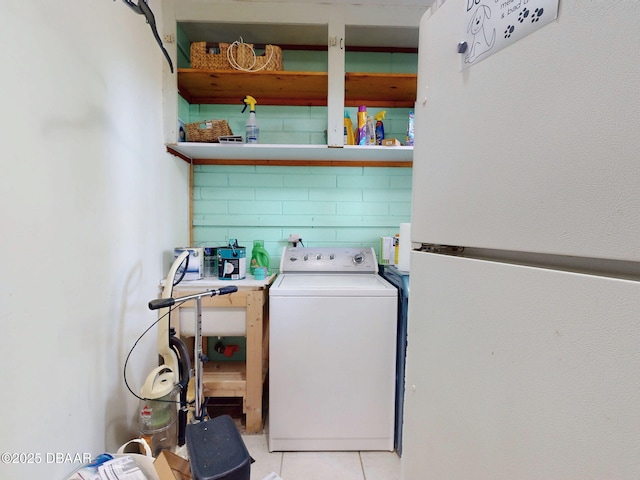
[{"x": 434, "y": 248}]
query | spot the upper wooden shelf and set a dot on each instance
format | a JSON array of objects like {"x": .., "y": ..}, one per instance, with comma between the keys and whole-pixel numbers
[
  {"x": 381, "y": 89},
  {"x": 295, "y": 88}
]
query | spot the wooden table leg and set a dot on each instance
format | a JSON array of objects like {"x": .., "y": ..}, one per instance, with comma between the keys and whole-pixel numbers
[{"x": 253, "y": 399}]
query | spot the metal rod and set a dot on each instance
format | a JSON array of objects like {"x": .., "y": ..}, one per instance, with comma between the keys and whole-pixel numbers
[{"x": 198, "y": 360}]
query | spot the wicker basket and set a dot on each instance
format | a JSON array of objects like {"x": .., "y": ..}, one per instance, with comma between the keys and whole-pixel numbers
[
  {"x": 242, "y": 54},
  {"x": 207, "y": 131},
  {"x": 246, "y": 59},
  {"x": 210, "y": 61}
]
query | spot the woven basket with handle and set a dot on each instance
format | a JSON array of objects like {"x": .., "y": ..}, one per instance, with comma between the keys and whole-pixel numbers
[
  {"x": 246, "y": 58},
  {"x": 243, "y": 57}
]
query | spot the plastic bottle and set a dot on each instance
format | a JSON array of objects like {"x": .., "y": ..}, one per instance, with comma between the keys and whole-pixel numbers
[
  {"x": 349, "y": 138},
  {"x": 396, "y": 249},
  {"x": 252, "y": 129},
  {"x": 371, "y": 131},
  {"x": 158, "y": 415},
  {"x": 259, "y": 257},
  {"x": 361, "y": 133},
  {"x": 380, "y": 127},
  {"x": 410, "y": 128}
]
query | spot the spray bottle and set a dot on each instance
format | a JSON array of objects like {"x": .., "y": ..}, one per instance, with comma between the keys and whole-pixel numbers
[
  {"x": 252, "y": 129},
  {"x": 380, "y": 127},
  {"x": 371, "y": 131}
]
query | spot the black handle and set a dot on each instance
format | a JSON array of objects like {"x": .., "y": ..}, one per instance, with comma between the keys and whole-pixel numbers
[
  {"x": 161, "y": 303},
  {"x": 227, "y": 290},
  {"x": 168, "y": 302}
]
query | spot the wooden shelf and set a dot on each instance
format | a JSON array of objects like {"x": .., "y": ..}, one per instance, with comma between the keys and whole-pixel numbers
[
  {"x": 272, "y": 88},
  {"x": 295, "y": 88},
  {"x": 381, "y": 89},
  {"x": 287, "y": 88}
]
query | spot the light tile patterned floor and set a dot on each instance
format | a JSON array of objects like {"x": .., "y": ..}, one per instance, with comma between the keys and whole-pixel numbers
[{"x": 320, "y": 465}]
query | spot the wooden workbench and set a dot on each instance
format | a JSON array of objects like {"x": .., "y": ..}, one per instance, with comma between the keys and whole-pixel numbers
[{"x": 234, "y": 379}]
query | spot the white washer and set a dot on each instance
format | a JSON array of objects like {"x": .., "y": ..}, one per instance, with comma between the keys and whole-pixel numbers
[{"x": 332, "y": 360}]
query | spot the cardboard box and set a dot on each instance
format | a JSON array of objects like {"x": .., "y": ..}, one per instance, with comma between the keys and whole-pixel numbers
[
  {"x": 172, "y": 467},
  {"x": 387, "y": 251},
  {"x": 391, "y": 142}
]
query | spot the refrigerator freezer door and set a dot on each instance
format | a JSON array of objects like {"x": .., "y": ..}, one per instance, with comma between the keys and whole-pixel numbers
[
  {"x": 535, "y": 148},
  {"x": 519, "y": 372}
]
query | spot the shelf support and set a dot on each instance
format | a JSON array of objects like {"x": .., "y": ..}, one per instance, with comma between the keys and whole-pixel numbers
[
  {"x": 168, "y": 26},
  {"x": 335, "y": 97}
]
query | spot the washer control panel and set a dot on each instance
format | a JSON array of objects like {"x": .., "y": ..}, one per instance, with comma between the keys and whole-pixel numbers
[{"x": 328, "y": 260}]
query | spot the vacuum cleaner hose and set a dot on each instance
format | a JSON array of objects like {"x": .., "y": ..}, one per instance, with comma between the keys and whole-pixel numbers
[{"x": 185, "y": 363}]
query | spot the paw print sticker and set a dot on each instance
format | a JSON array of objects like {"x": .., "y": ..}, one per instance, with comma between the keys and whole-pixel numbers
[
  {"x": 523, "y": 15},
  {"x": 537, "y": 13},
  {"x": 509, "y": 31}
]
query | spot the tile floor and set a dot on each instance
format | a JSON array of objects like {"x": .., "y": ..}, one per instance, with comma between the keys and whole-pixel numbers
[{"x": 320, "y": 465}]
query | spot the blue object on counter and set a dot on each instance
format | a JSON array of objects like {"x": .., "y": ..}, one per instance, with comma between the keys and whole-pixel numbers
[{"x": 260, "y": 273}]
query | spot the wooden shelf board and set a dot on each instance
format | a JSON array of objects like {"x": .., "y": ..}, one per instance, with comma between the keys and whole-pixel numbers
[
  {"x": 390, "y": 90},
  {"x": 270, "y": 88},
  {"x": 224, "y": 379},
  {"x": 381, "y": 89}
]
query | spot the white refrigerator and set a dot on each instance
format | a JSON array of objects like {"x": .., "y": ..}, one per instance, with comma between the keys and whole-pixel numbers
[{"x": 524, "y": 319}]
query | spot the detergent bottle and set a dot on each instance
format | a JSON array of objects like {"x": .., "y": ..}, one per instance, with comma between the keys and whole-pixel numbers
[
  {"x": 361, "y": 132},
  {"x": 252, "y": 129},
  {"x": 349, "y": 138},
  {"x": 259, "y": 257},
  {"x": 380, "y": 126}
]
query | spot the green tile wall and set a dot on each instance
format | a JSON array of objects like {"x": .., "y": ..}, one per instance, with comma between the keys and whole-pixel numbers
[
  {"x": 346, "y": 206},
  {"x": 326, "y": 206}
]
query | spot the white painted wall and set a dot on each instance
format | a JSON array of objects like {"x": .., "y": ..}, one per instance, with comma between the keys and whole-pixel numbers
[{"x": 91, "y": 209}]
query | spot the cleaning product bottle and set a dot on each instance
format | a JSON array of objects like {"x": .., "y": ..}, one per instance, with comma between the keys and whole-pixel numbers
[
  {"x": 349, "y": 138},
  {"x": 259, "y": 257},
  {"x": 371, "y": 131},
  {"x": 361, "y": 133},
  {"x": 410, "y": 129},
  {"x": 380, "y": 126},
  {"x": 252, "y": 129}
]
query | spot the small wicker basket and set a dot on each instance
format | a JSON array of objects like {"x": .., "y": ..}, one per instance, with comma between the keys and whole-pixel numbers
[
  {"x": 207, "y": 131},
  {"x": 209, "y": 61},
  {"x": 242, "y": 55}
]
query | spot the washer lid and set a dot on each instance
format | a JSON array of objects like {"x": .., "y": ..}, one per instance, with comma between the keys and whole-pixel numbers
[{"x": 335, "y": 285}]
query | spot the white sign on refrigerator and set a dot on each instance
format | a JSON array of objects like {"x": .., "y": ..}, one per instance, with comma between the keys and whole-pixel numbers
[{"x": 491, "y": 25}]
